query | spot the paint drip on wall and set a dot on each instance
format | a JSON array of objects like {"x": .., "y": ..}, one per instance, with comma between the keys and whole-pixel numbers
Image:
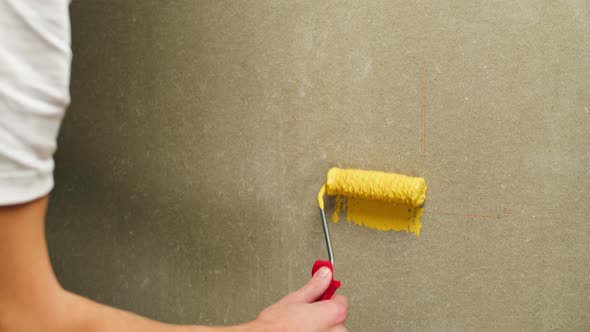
[{"x": 378, "y": 200}]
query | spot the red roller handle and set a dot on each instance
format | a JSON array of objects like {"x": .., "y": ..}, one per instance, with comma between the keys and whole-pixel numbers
[{"x": 334, "y": 284}]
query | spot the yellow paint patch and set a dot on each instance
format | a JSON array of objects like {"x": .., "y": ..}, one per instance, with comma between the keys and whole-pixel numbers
[
  {"x": 337, "y": 208},
  {"x": 383, "y": 216},
  {"x": 377, "y": 200}
]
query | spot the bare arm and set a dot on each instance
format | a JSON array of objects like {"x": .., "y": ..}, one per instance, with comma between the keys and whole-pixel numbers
[{"x": 31, "y": 298}]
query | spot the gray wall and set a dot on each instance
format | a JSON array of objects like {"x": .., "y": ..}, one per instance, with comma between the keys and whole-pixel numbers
[{"x": 200, "y": 132}]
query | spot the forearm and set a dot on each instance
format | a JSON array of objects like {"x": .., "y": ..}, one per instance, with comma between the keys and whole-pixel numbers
[
  {"x": 96, "y": 317},
  {"x": 82, "y": 314},
  {"x": 70, "y": 312},
  {"x": 31, "y": 298}
]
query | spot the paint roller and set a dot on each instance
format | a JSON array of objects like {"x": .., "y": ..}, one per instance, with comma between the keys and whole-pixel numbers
[{"x": 369, "y": 185}]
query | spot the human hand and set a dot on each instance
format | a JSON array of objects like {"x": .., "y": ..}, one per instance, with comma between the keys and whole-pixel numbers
[{"x": 298, "y": 311}]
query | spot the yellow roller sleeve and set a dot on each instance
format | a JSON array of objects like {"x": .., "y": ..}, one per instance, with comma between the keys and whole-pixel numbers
[{"x": 376, "y": 185}]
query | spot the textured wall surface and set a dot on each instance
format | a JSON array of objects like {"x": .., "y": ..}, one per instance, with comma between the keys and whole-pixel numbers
[{"x": 200, "y": 132}]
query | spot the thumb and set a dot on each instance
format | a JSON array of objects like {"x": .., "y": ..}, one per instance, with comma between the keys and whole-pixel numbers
[{"x": 313, "y": 289}]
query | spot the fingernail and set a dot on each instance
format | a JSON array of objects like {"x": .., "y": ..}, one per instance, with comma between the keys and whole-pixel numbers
[{"x": 323, "y": 272}]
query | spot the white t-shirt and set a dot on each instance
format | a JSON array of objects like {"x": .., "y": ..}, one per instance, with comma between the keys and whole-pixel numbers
[{"x": 35, "y": 58}]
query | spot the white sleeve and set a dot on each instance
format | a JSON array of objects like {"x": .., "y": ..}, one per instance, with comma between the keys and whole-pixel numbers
[{"x": 35, "y": 58}]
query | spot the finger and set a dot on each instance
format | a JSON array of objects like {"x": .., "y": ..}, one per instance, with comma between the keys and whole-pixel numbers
[
  {"x": 333, "y": 312},
  {"x": 313, "y": 289}
]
